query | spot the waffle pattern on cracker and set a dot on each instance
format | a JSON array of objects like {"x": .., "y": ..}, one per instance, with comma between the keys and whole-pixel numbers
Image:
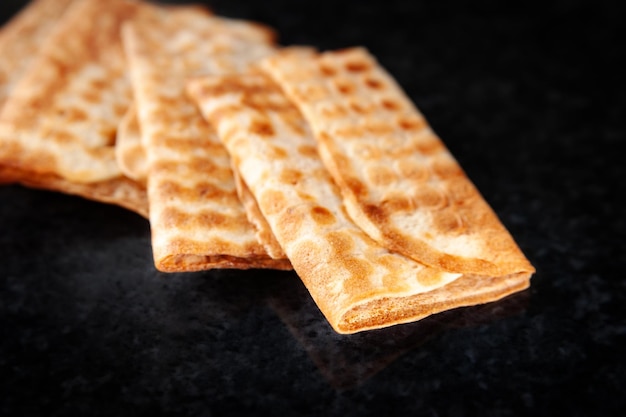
[
  {"x": 357, "y": 283},
  {"x": 196, "y": 217},
  {"x": 63, "y": 114},
  {"x": 400, "y": 183}
]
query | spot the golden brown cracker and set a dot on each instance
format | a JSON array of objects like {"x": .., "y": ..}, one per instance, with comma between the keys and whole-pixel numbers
[
  {"x": 399, "y": 182},
  {"x": 196, "y": 217},
  {"x": 21, "y": 38},
  {"x": 58, "y": 127},
  {"x": 357, "y": 283}
]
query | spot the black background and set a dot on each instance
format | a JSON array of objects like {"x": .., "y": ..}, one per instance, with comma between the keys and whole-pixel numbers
[{"x": 529, "y": 98}]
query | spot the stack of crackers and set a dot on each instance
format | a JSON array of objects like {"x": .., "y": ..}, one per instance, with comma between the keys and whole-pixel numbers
[{"x": 246, "y": 154}]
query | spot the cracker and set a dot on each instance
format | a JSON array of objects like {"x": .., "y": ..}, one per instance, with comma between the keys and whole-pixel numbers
[
  {"x": 357, "y": 283},
  {"x": 131, "y": 157},
  {"x": 399, "y": 182},
  {"x": 196, "y": 217},
  {"x": 21, "y": 37},
  {"x": 58, "y": 127}
]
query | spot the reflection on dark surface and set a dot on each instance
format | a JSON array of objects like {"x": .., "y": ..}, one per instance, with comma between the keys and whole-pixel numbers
[
  {"x": 88, "y": 327},
  {"x": 348, "y": 360}
]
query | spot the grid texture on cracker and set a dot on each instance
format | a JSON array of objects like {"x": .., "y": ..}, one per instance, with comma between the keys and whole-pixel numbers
[
  {"x": 400, "y": 183},
  {"x": 57, "y": 128},
  {"x": 63, "y": 114},
  {"x": 196, "y": 218},
  {"x": 357, "y": 283},
  {"x": 21, "y": 37}
]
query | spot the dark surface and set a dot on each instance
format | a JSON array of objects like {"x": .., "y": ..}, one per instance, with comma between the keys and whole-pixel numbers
[{"x": 531, "y": 102}]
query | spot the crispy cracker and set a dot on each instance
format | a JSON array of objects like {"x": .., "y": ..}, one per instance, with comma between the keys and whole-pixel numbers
[
  {"x": 357, "y": 283},
  {"x": 399, "y": 182},
  {"x": 196, "y": 218},
  {"x": 57, "y": 129},
  {"x": 131, "y": 158},
  {"x": 21, "y": 37}
]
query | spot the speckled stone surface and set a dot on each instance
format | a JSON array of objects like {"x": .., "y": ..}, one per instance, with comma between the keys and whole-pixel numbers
[{"x": 531, "y": 101}]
